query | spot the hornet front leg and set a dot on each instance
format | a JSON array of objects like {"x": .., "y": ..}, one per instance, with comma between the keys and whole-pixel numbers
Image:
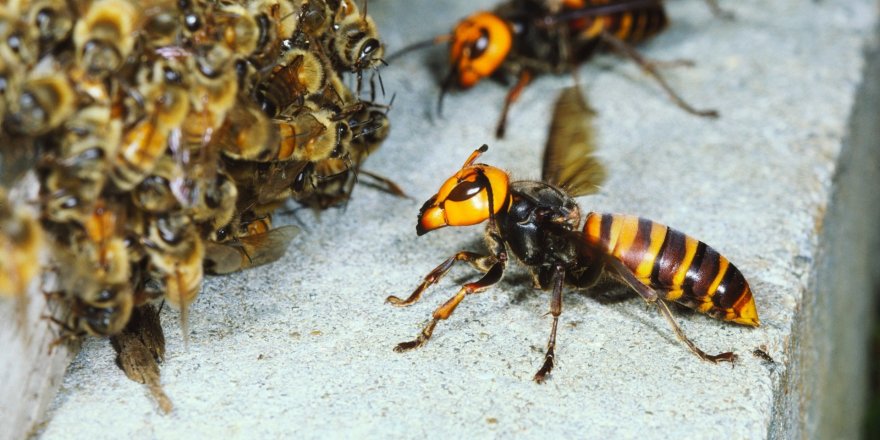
[{"x": 492, "y": 276}]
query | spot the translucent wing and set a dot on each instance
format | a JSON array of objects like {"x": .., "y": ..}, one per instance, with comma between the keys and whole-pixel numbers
[
  {"x": 568, "y": 157},
  {"x": 248, "y": 251},
  {"x": 17, "y": 156}
]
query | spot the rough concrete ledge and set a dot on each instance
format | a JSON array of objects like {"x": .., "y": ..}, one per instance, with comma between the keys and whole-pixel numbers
[{"x": 304, "y": 346}]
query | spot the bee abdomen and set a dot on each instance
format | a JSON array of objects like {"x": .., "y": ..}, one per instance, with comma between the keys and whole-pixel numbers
[
  {"x": 681, "y": 268},
  {"x": 141, "y": 149}
]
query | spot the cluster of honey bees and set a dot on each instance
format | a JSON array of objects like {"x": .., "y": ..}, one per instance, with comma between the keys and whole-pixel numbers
[{"x": 162, "y": 136}]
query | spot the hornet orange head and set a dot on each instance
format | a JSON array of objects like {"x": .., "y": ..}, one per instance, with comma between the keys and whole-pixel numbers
[
  {"x": 480, "y": 43},
  {"x": 474, "y": 194}
]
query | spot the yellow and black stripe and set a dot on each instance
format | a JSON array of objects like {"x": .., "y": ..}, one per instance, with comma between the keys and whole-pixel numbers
[
  {"x": 634, "y": 25},
  {"x": 679, "y": 267}
]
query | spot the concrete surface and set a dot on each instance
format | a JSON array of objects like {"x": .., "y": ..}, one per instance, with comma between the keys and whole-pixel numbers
[
  {"x": 304, "y": 346},
  {"x": 31, "y": 368},
  {"x": 30, "y": 373}
]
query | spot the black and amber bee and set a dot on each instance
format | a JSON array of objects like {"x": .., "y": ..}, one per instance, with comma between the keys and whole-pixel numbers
[
  {"x": 525, "y": 38},
  {"x": 538, "y": 222}
]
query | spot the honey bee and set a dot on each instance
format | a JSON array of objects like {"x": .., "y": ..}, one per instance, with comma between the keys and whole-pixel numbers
[
  {"x": 230, "y": 25},
  {"x": 333, "y": 182},
  {"x": 263, "y": 186},
  {"x": 154, "y": 194},
  {"x": 205, "y": 191},
  {"x": 216, "y": 201},
  {"x": 247, "y": 244},
  {"x": 19, "y": 41},
  {"x": 248, "y": 134},
  {"x": 355, "y": 41},
  {"x": 44, "y": 102},
  {"x": 276, "y": 21},
  {"x": 334, "y": 178},
  {"x": 370, "y": 127},
  {"x": 104, "y": 247},
  {"x": 87, "y": 144},
  {"x": 214, "y": 90},
  {"x": 11, "y": 76},
  {"x": 525, "y": 38},
  {"x": 53, "y": 20},
  {"x": 105, "y": 36},
  {"x": 160, "y": 23},
  {"x": 315, "y": 17},
  {"x": 65, "y": 196},
  {"x": 99, "y": 310},
  {"x": 176, "y": 250},
  {"x": 166, "y": 106},
  {"x": 312, "y": 135},
  {"x": 538, "y": 221},
  {"x": 95, "y": 273},
  {"x": 21, "y": 241},
  {"x": 297, "y": 74}
]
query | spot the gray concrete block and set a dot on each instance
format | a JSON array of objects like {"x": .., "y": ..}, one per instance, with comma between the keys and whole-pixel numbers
[{"x": 304, "y": 346}]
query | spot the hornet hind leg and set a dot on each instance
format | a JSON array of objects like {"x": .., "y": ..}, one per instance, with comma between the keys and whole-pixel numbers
[
  {"x": 651, "y": 296},
  {"x": 625, "y": 49}
]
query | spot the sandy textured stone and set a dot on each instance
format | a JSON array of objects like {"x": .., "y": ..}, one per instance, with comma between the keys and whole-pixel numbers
[{"x": 304, "y": 346}]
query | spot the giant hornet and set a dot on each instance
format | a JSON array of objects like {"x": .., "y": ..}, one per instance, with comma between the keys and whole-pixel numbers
[
  {"x": 538, "y": 222},
  {"x": 524, "y": 38}
]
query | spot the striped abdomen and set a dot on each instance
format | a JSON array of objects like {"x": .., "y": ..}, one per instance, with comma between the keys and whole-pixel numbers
[
  {"x": 633, "y": 25},
  {"x": 138, "y": 154},
  {"x": 679, "y": 267}
]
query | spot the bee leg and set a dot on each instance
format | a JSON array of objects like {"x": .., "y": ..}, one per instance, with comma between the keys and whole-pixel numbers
[
  {"x": 625, "y": 49},
  {"x": 525, "y": 77},
  {"x": 445, "y": 311},
  {"x": 66, "y": 335},
  {"x": 555, "y": 310},
  {"x": 385, "y": 184},
  {"x": 651, "y": 296},
  {"x": 480, "y": 262}
]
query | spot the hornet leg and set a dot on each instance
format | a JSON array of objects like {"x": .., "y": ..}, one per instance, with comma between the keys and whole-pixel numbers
[
  {"x": 525, "y": 77},
  {"x": 480, "y": 262},
  {"x": 649, "y": 295},
  {"x": 718, "y": 11},
  {"x": 625, "y": 49},
  {"x": 445, "y": 311},
  {"x": 555, "y": 310}
]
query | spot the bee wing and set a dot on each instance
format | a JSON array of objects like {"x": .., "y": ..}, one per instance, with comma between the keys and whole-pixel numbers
[
  {"x": 266, "y": 248},
  {"x": 17, "y": 156},
  {"x": 568, "y": 156},
  {"x": 248, "y": 251},
  {"x": 223, "y": 258}
]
